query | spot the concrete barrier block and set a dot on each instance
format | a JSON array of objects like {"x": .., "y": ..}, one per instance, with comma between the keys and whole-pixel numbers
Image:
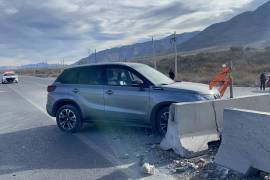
[
  {"x": 198, "y": 123},
  {"x": 191, "y": 126},
  {"x": 245, "y": 141},
  {"x": 256, "y": 102}
]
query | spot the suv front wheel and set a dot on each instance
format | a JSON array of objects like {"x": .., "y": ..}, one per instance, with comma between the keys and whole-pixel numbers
[
  {"x": 162, "y": 120},
  {"x": 68, "y": 119}
]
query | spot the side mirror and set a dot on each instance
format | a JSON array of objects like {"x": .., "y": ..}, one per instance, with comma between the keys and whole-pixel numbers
[{"x": 137, "y": 83}]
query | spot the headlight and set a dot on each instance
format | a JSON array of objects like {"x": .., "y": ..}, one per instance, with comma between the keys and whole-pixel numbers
[
  {"x": 218, "y": 96},
  {"x": 215, "y": 93},
  {"x": 204, "y": 97}
]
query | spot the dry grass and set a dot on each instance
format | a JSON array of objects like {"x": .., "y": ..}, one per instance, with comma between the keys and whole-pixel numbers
[
  {"x": 202, "y": 67},
  {"x": 41, "y": 72}
]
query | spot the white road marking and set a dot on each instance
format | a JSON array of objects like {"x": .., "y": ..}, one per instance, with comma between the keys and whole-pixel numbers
[{"x": 124, "y": 168}]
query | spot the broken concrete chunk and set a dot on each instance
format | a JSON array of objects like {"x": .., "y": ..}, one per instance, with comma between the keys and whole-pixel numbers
[
  {"x": 126, "y": 156},
  {"x": 181, "y": 169},
  {"x": 148, "y": 168}
]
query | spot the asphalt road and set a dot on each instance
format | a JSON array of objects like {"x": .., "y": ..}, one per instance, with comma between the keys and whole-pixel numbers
[{"x": 32, "y": 147}]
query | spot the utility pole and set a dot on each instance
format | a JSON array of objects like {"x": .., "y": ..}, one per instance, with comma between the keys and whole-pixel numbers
[
  {"x": 62, "y": 62},
  {"x": 175, "y": 56},
  {"x": 153, "y": 49},
  {"x": 89, "y": 54},
  {"x": 95, "y": 56},
  {"x": 231, "y": 78},
  {"x": 60, "y": 65},
  {"x": 36, "y": 69}
]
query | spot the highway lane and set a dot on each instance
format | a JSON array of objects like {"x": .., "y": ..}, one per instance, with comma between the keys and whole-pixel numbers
[
  {"x": 32, "y": 147},
  {"x": 104, "y": 145}
]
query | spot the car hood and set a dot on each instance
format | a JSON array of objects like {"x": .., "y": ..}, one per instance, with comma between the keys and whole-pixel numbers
[
  {"x": 192, "y": 88},
  {"x": 12, "y": 76}
]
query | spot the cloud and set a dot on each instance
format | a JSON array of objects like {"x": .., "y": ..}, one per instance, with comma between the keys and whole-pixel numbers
[
  {"x": 34, "y": 30},
  {"x": 168, "y": 11}
]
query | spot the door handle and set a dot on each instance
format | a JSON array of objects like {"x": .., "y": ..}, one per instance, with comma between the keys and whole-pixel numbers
[
  {"x": 75, "y": 90},
  {"x": 109, "y": 92}
]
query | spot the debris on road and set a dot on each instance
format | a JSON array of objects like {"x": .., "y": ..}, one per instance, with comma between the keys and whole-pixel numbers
[
  {"x": 126, "y": 156},
  {"x": 148, "y": 168}
]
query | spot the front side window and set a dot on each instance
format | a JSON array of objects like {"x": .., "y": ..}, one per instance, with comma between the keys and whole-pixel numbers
[
  {"x": 120, "y": 77},
  {"x": 154, "y": 76}
]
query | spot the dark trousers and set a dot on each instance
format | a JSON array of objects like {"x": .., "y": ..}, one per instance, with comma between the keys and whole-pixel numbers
[{"x": 262, "y": 87}]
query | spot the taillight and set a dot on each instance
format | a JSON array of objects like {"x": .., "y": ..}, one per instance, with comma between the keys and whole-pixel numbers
[{"x": 51, "y": 88}]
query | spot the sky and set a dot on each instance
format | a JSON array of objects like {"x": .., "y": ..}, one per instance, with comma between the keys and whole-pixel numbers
[{"x": 33, "y": 31}]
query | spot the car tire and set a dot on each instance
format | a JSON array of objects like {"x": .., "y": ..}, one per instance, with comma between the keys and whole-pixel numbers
[
  {"x": 162, "y": 120},
  {"x": 68, "y": 119}
]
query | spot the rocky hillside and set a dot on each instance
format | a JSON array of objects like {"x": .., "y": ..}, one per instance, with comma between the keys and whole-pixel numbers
[
  {"x": 137, "y": 50},
  {"x": 248, "y": 28}
]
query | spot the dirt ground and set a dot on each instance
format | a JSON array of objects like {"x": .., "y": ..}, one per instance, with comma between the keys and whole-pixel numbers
[{"x": 139, "y": 145}]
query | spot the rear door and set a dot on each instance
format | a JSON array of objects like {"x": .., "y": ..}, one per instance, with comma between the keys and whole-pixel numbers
[
  {"x": 90, "y": 91},
  {"x": 123, "y": 102},
  {"x": 85, "y": 86}
]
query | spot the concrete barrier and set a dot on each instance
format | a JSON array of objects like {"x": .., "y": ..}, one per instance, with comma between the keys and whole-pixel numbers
[
  {"x": 245, "y": 141},
  {"x": 190, "y": 127},
  {"x": 193, "y": 125},
  {"x": 256, "y": 103}
]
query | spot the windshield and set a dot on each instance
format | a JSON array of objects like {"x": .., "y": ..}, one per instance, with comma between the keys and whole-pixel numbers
[
  {"x": 156, "y": 77},
  {"x": 9, "y": 74}
]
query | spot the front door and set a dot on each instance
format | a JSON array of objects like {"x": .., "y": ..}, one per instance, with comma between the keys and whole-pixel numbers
[{"x": 123, "y": 101}]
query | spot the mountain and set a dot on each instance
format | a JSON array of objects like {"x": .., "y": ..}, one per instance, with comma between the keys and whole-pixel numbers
[
  {"x": 6, "y": 68},
  {"x": 31, "y": 66},
  {"x": 39, "y": 66},
  {"x": 137, "y": 50},
  {"x": 248, "y": 28}
]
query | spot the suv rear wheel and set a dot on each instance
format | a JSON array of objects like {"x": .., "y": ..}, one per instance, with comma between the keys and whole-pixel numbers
[
  {"x": 68, "y": 119},
  {"x": 162, "y": 120}
]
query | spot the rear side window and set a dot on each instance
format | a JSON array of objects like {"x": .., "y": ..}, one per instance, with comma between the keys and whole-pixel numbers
[
  {"x": 82, "y": 75},
  {"x": 69, "y": 76},
  {"x": 90, "y": 76}
]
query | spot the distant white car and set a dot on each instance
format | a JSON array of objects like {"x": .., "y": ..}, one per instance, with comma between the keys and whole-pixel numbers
[{"x": 9, "y": 77}]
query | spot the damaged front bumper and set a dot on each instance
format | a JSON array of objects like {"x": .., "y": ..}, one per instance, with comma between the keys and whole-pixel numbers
[{"x": 10, "y": 80}]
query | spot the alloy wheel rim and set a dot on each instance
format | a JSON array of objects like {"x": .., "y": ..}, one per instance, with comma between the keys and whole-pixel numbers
[{"x": 67, "y": 119}]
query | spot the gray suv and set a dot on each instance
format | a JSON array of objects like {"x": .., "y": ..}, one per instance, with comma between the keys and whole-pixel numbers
[{"x": 130, "y": 93}]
